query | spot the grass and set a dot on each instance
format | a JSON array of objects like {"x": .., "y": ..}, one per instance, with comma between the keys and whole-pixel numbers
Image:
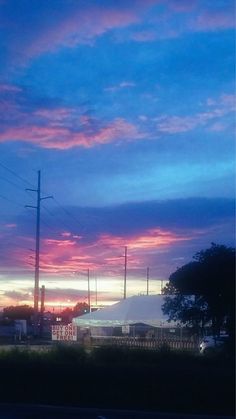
[{"x": 119, "y": 378}]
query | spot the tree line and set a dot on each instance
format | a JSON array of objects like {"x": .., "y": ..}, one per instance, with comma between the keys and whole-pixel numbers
[{"x": 26, "y": 312}]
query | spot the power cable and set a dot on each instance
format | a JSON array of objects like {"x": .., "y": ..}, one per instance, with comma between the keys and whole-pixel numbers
[
  {"x": 11, "y": 201},
  {"x": 66, "y": 226},
  {"x": 15, "y": 174},
  {"x": 11, "y": 183},
  {"x": 66, "y": 211}
]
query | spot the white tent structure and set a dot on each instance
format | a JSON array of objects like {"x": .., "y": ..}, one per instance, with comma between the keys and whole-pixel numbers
[{"x": 145, "y": 309}]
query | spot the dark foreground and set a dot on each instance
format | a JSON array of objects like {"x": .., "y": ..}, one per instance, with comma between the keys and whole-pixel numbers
[
  {"x": 112, "y": 378},
  {"x": 56, "y": 412}
]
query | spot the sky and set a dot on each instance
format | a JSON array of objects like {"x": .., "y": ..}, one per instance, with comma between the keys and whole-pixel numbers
[{"x": 127, "y": 107}]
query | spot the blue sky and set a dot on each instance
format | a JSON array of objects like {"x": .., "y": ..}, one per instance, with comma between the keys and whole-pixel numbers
[{"x": 128, "y": 110}]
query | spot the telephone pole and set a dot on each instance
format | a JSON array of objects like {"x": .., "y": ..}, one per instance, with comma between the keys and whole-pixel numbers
[
  {"x": 147, "y": 281},
  {"x": 42, "y": 308},
  {"x": 96, "y": 291},
  {"x": 37, "y": 249},
  {"x": 89, "y": 304},
  {"x": 125, "y": 272}
]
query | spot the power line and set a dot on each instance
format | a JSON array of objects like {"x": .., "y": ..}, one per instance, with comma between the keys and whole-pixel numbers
[
  {"x": 11, "y": 201},
  {"x": 53, "y": 230},
  {"x": 11, "y": 183},
  {"x": 66, "y": 226},
  {"x": 66, "y": 211},
  {"x": 15, "y": 174}
]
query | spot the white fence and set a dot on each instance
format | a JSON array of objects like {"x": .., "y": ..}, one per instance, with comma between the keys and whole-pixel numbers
[{"x": 145, "y": 343}]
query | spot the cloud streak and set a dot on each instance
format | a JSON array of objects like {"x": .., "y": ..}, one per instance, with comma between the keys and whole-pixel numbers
[
  {"x": 62, "y": 128},
  {"x": 61, "y": 138},
  {"x": 180, "y": 124},
  {"x": 143, "y": 227},
  {"x": 76, "y": 24}
]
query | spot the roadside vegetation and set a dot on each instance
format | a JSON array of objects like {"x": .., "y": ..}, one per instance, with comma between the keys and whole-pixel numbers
[{"x": 112, "y": 377}]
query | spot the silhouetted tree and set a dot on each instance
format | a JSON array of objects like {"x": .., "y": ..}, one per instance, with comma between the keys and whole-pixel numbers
[
  {"x": 210, "y": 280},
  {"x": 67, "y": 315},
  {"x": 80, "y": 309},
  {"x": 23, "y": 312}
]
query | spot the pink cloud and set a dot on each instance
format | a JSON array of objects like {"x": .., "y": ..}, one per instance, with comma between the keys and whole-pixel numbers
[
  {"x": 223, "y": 106},
  {"x": 228, "y": 100},
  {"x": 59, "y": 243},
  {"x": 10, "y": 225},
  {"x": 211, "y": 21},
  {"x": 9, "y": 88},
  {"x": 179, "y": 124},
  {"x": 84, "y": 25},
  {"x": 122, "y": 85},
  {"x": 61, "y": 138},
  {"x": 150, "y": 239},
  {"x": 144, "y": 36},
  {"x": 217, "y": 127},
  {"x": 56, "y": 114},
  {"x": 66, "y": 255},
  {"x": 176, "y": 124},
  {"x": 183, "y": 5},
  {"x": 81, "y": 27},
  {"x": 66, "y": 234}
]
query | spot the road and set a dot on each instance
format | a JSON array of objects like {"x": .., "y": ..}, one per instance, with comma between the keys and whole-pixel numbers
[{"x": 8, "y": 411}]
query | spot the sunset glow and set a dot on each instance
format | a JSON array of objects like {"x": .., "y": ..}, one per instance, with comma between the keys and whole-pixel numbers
[{"x": 128, "y": 110}]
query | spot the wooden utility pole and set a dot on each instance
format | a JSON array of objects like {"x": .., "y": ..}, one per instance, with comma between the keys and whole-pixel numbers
[
  {"x": 37, "y": 250},
  {"x": 125, "y": 272},
  {"x": 42, "y": 308},
  {"x": 89, "y": 305},
  {"x": 96, "y": 291},
  {"x": 147, "y": 281}
]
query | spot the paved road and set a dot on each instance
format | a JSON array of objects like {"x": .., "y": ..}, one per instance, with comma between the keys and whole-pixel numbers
[{"x": 8, "y": 411}]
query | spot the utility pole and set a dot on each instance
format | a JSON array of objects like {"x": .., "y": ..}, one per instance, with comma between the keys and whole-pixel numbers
[
  {"x": 147, "y": 281},
  {"x": 88, "y": 279},
  {"x": 89, "y": 291},
  {"x": 37, "y": 250},
  {"x": 96, "y": 291},
  {"x": 125, "y": 272},
  {"x": 42, "y": 308},
  {"x": 161, "y": 286}
]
